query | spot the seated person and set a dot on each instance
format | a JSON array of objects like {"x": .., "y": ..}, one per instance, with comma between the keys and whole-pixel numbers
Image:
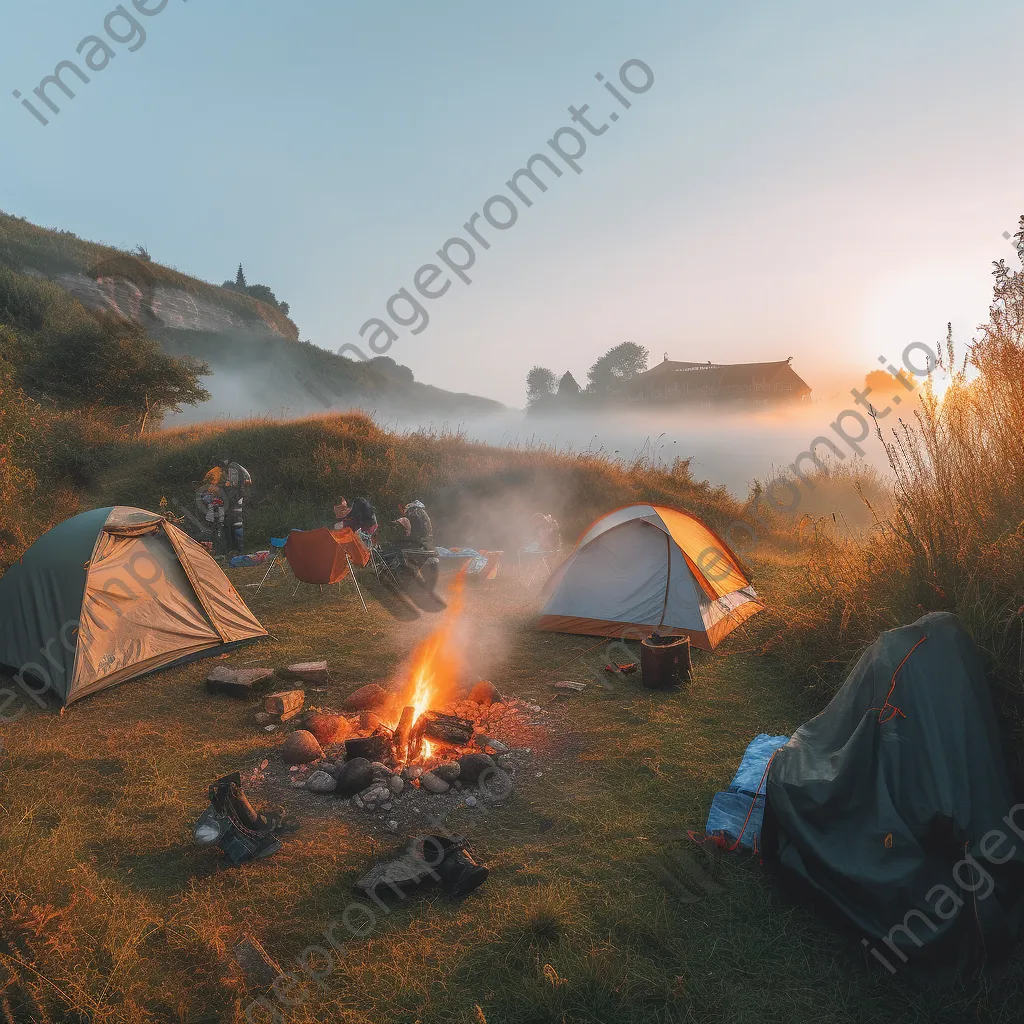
[
  {"x": 362, "y": 517},
  {"x": 421, "y": 530},
  {"x": 408, "y": 559},
  {"x": 545, "y": 534},
  {"x": 341, "y": 510}
]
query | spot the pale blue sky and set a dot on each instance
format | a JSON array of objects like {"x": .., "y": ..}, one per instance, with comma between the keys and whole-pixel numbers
[{"x": 807, "y": 179}]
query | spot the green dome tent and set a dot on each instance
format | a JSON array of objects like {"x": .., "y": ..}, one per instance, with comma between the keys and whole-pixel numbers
[{"x": 113, "y": 594}]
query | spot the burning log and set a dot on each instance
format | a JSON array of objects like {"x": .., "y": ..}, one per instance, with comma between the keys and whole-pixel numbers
[
  {"x": 434, "y": 725},
  {"x": 373, "y": 748},
  {"x": 403, "y": 733}
]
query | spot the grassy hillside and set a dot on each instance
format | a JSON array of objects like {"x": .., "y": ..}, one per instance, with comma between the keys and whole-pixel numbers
[
  {"x": 26, "y": 246},
  {"x": 258, "y": 364},
  {"x": 478, "y": 495}
]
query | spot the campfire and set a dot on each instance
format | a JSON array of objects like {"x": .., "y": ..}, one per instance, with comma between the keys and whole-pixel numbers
[
  {"x": 434, "y": 673},
  {"x": 419, "y": 733}
]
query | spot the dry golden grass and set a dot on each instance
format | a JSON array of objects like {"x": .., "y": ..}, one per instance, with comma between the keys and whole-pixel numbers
[
  {"x": 477, "y": 494},
  {"x": 110, "y": 912}
]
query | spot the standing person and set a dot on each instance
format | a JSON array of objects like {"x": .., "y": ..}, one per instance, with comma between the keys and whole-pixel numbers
[
  {"x": 212, "y": 500},
  {"x": 239, "y": 489},
  {"x": 225, "y": 495}
]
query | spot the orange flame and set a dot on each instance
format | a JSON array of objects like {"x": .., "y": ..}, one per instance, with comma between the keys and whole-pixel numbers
[{"x": 437, "y": 662}]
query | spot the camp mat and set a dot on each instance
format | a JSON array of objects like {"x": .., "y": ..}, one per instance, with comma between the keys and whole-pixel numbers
[{"x": 742, "y": 804}]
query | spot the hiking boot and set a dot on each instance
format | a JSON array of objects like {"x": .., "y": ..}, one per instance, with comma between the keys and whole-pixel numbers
[{"x": 460, "y": 873}]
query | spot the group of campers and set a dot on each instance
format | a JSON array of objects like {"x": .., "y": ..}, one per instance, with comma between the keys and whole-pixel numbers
[
  {"x": 405, "y": 545},
  {"x": 223, "y": 499}
]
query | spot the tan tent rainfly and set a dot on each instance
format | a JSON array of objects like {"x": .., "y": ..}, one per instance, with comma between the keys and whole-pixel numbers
[
  {"x": 647, "y": 567},
  {"x": 112, "y": 594}
]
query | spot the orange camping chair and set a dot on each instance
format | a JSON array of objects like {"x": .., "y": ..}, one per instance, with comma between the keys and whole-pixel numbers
[{"x": 324, "y": 556}]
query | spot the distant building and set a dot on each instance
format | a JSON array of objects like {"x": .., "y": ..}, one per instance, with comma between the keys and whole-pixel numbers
[{"x": 711, "y": 384}]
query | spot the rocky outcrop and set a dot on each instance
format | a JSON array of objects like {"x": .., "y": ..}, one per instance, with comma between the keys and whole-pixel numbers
[{"x": 158, "y": 306}]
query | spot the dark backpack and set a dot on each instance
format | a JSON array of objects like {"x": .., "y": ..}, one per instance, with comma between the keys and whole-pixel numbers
[{"x": 362, "y": 514}]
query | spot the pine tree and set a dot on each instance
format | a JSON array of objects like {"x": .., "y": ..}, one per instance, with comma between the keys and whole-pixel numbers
[{"x": 240, "y": 279}]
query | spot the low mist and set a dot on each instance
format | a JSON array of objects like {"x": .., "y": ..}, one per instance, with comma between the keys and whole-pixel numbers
[{"x": 728, "y": 448}]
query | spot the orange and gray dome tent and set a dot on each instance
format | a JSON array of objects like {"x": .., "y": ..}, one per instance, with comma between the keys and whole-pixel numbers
[
  {"x": 643, "y": 568},
  {"x": 113, "y": 594}
]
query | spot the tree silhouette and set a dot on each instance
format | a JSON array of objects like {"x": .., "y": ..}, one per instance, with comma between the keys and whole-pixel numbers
[
  {"x": 540, "y": 381},
  {"x": 618, "y": 364},
  {"x": 567, "y": 386}
]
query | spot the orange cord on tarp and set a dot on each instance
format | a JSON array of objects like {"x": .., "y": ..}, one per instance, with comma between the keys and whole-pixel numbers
[
  {"x": 721, "y": 841},
  {"x": 894, "y": 711}
]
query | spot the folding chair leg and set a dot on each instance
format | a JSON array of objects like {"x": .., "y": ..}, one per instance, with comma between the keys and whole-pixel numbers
[
  {"x": 270, "y": 569},
  {"x": 352, "y": 573}
]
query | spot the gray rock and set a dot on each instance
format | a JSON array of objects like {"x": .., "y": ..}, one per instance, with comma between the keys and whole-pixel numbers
[
  {"x": 393, "y": 825},
  {"x": 307, "y": 672},
  {"x": 377, "y": 793},
  {"x": 473, "y": 766},
  {"x": 484, "y": 693},
  {"x": 236, "y": 682},
  {"x": 366, "y": 698},
  {"x": 471, "y": 801},
  {"x": 353, "y": 776},
  {"x": 321, "y": 782},
  {"x": 488, "y": 743},
  {"x": 432, "y": 784},
  {"x": 301, "y": 748},
  {"x": 396, "y": 784},
  {"x": 411, "y": 772},
  {"x": 381, "y": 772},
  {"x": 448, "y": 772},
  {"x": 328, "y": 729}
]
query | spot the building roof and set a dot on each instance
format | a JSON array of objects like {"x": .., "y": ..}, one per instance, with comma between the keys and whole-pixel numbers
[{"x": 725, "y": 376}]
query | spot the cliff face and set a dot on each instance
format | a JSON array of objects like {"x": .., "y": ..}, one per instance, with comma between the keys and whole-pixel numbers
[
  {"x": 159, "y": 298},
  {"x": 164, "y": 308},
  {"x": 259, "y": 365}
]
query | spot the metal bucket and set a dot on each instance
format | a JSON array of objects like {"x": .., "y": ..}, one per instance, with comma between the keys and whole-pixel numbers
[{"x": 665, "y": 661}]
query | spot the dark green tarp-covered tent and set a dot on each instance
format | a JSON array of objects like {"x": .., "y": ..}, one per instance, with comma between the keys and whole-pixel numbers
[{"x": 894, "y": 808}]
